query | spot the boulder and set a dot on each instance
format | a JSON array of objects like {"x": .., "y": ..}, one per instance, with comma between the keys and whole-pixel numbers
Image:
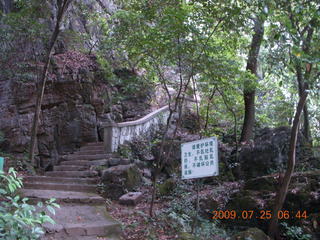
[
  {"x": 244, "y": 202},
  {"x": 265, "y": 183},
  {"x": 146, "y": 173},
  {"x": 269, "y": 153},
  {"x": 252, "y": 234},
  {"x": 120, "y": 179},
  {"x": 131, "y": 198},
  {"x": 302, "y": 200},
  {"x": 259, "y": 194}
]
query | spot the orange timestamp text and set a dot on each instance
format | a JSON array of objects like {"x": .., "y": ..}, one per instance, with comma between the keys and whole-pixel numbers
[{"x": 263, "y": 214}]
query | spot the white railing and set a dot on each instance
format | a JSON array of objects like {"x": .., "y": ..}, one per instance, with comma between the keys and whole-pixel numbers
[{"x": 115, "y": 134}]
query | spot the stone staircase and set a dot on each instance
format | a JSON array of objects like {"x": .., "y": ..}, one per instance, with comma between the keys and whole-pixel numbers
[{"x": 73, "y": 184}]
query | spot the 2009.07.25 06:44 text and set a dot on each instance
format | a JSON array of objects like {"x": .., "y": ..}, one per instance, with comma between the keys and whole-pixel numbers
[{"x": 263, "y": 214}]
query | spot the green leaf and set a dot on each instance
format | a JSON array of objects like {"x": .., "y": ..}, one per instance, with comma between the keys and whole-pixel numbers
[
  {"x": 51, "y": 209},
  {"x": 51, "y": 200},
  {"x": 280, "y": 84},
  {"x": 11, "y": 188},
  {"x": 2, "y": 191}
]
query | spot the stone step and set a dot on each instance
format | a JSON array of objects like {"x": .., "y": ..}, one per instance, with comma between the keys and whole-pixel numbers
[
  {"x": 69, "y": 174},
  {"x": 87, "y": 163},
  {"x": 56, "y": 236},
  {"x": 73, "y": 231},
  {"x": 82, "y": 222},
  {"x": 86, "y": 157},
  {"x": 90, "y": 152},
  {"x": 76, "y": 162},
  {"x": 104, "y": 162},
  {"x": 36, "y": 195},
  {"x": 70, "y": 168},
  {"x": 92, "y": 148},
  {"x": 31, "y": 179},
  {"x": 94, "y": 144},
  {"x": 61, "y": 187}
]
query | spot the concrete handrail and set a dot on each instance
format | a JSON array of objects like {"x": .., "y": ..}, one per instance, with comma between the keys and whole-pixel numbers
[
  {"x": 138, "y": 121},
  {"x": 115, "y": 134}
]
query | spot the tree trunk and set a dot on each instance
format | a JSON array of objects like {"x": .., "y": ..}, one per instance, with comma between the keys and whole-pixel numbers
[
  {"x": 249, "y": 91},
  {"x": 282, "y": 193},
  {"x": 62, "y": 7},
  {"x": 306, "y": 124},
  {"x": 301, "y": 88},
  {"x": 6, "y": 6}
]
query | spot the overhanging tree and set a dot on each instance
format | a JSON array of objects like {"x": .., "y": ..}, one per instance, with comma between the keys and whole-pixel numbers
[
  {"x": 295, "y": 33},
  {"x": 61, "y": 10},
  {"x": 176, "y": 35}
]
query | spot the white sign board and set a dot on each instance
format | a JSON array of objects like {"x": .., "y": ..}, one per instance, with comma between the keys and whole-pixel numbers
[{"x": 200, "y": 158}]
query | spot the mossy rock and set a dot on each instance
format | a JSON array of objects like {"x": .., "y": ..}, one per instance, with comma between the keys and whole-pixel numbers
[
  {"x": 300, "y": 200},
  {"x": 251, "y": 234},
  {"x": 266, "y": 183},
  {"x": 243, "y": 200},
  {"x": 120, "y": 179},
  {"x": 167, "y": 187}
]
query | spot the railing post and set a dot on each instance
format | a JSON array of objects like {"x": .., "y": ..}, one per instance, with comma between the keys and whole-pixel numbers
[{"x": 107, "y": 138}]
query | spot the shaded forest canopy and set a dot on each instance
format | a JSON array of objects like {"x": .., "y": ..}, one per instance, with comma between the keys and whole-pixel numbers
[{"x": 240, "y": 70}]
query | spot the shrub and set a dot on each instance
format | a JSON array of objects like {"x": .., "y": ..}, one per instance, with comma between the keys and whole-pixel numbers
[
  {"x": 181, "y": 212},
  {"x": 18, "y": 219},
  {"x": 295, "y": 233}
]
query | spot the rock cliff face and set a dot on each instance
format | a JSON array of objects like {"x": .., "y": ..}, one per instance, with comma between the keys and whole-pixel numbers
[
  {"x": 269, "y": 153},
  {"x": 77, "y": 97},
  {"x": 77, "y": 100},
  {"x": 74, "y": 104}
]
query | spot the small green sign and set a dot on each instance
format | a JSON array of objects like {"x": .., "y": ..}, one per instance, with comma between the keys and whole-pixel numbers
[{"x": 1, "y": 163}]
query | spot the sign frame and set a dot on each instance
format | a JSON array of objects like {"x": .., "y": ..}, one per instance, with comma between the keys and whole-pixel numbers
[{"x": 192, "y": 154}]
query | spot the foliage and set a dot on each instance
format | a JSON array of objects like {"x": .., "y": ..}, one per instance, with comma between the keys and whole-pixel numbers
[
  {"x": 141, "y": 146},
  {"x": 294, "y": 232},
  {"x": 181, "y": 211},
  {"x": 18, "y": 219},
  {"x": 293, "y": 51},
  {"x": 128, "y": 83},
  {"x": 124, "y": 150}
]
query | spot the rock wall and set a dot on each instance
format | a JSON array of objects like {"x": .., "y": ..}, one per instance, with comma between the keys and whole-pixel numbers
[
  {"x": 269, "y": 153},
  {"x": 77, "y": 97},
  {"x": 74, "y": 103}
]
